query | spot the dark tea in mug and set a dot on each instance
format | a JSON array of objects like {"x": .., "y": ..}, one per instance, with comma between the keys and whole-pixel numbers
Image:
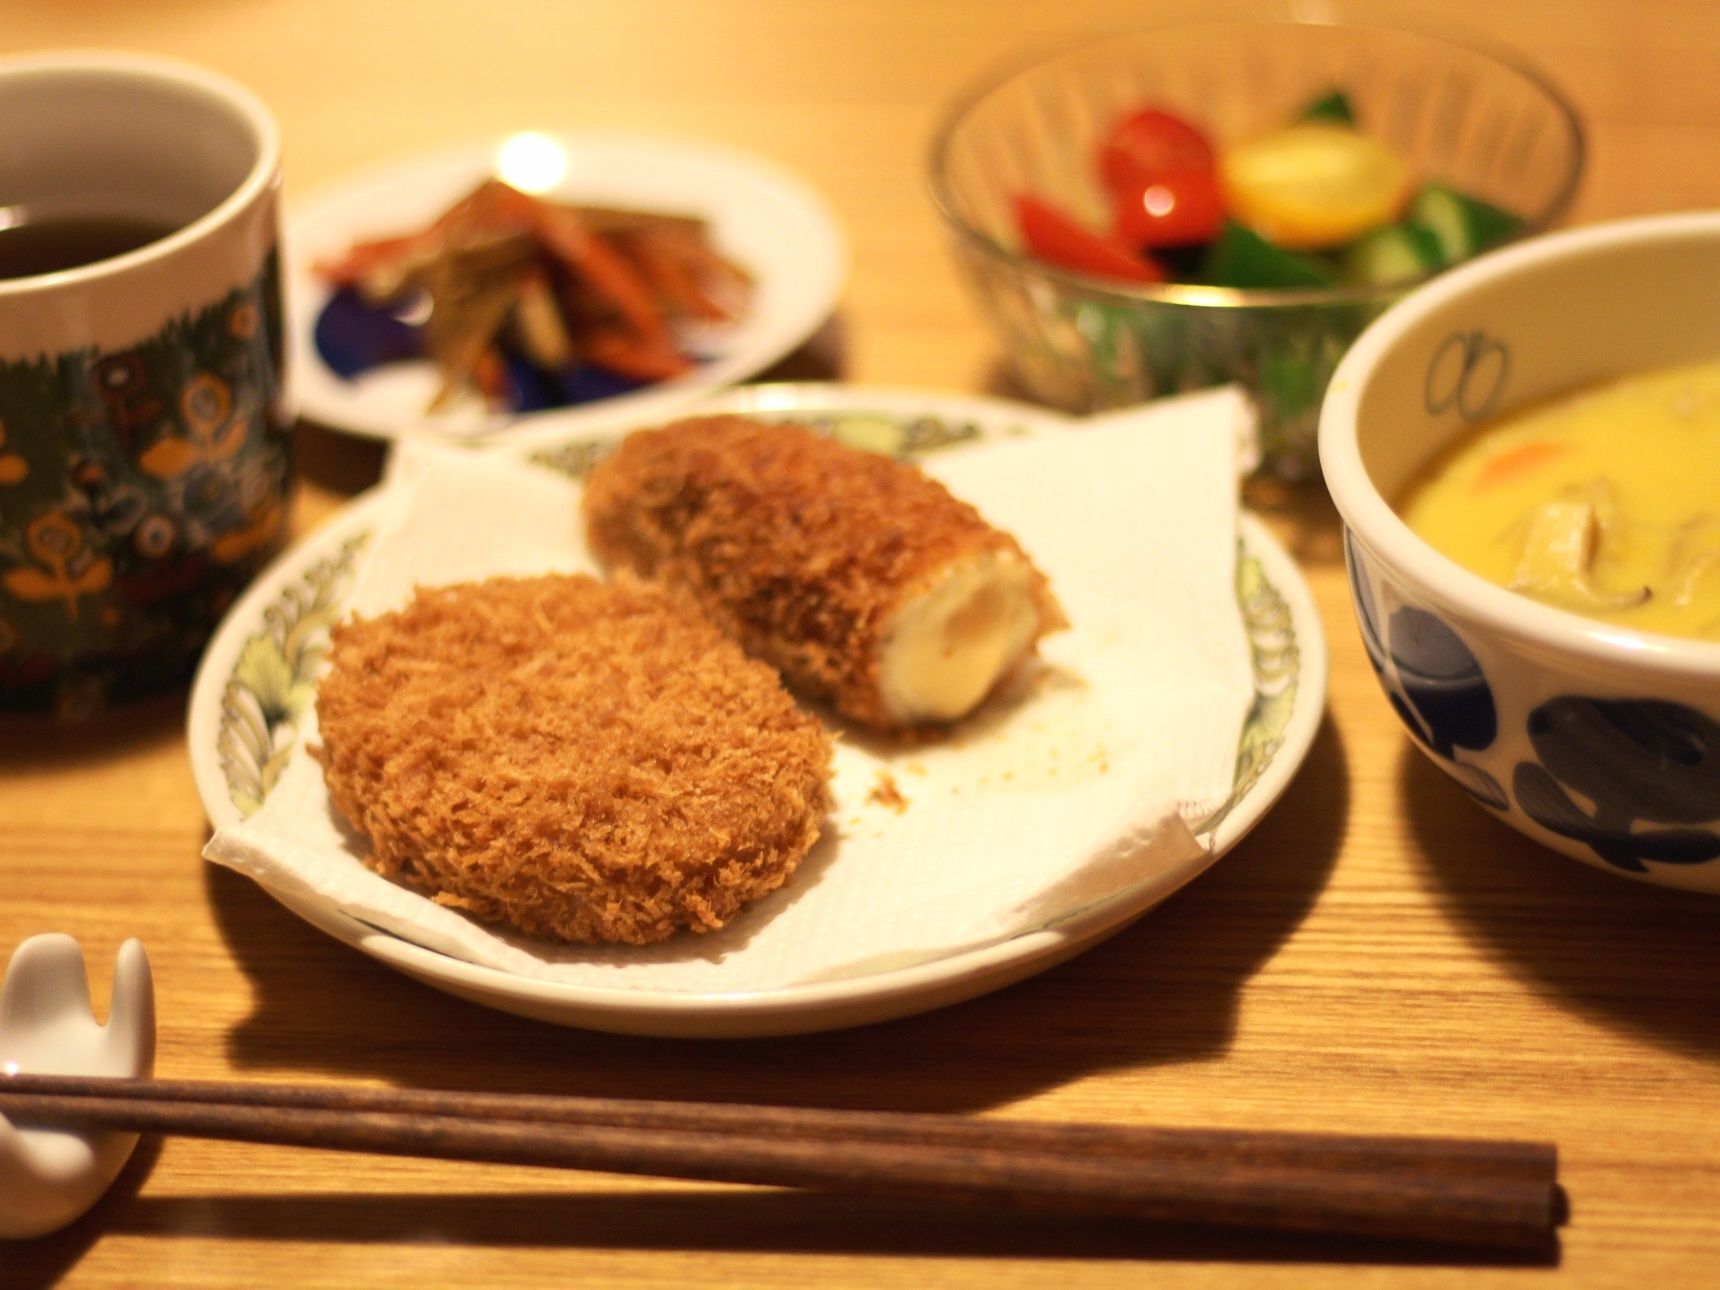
[{"x": 31, "y": 245}]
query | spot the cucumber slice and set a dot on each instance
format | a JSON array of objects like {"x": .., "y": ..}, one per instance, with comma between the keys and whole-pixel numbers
[
  {"x": 1394, "y": 254},
  {"x": 1464, "y": 225},
  {"x": 1334, "y": 105},
  {"x": 1240, "y": 257}
]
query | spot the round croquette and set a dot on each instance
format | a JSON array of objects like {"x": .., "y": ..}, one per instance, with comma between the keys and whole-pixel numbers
[{"x": 578, "y": 760}]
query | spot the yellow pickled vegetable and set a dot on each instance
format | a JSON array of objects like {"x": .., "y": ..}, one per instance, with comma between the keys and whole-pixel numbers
[{"x": 1314, "y": 185}]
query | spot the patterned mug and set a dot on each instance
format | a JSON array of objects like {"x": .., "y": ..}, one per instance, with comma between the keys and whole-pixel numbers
[{"x": 144, "y": 463}]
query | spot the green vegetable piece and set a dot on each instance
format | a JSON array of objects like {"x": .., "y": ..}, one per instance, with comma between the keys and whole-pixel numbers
[
  {"x": 1464, "y": 225},
  {"x": 1240, "y": 257},
  {"x": 1291, "y": 385},
  {"x": 1334, "y": 105},
  {"x": 1396, "y": 253}
]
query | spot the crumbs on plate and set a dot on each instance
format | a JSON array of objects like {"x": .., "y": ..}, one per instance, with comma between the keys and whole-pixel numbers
[{"x": 885, "y": 792}]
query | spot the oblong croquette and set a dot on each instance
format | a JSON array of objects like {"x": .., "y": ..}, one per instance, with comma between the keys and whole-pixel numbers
[
  {"x": 860, "y": 578},
  {"x": 578, "y": 760}
]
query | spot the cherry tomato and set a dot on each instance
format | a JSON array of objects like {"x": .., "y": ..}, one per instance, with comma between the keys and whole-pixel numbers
[
  {"x": 1057, "y": 238},
  {"x": 1148, "y": 144},
  {"x": 1178, "y": 208}
]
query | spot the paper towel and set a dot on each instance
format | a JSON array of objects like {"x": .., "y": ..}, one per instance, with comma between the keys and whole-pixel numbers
[{"x": 1068, "y": 791}]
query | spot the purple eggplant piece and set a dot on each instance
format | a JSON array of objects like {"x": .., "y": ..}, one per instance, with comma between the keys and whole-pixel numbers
[
  {"x": 587, "y": 383},
  {"x": 533, "y": 388},
  {"x": 353, "y": 336}
]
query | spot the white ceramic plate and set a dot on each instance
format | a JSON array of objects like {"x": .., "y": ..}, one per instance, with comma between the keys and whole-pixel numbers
[
  {"x": 249, "y": 691},
  {"x": 764, "y": 218}
]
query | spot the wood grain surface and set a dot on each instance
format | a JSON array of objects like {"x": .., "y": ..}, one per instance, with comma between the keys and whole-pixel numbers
[{"x": 1379, "y": 956}]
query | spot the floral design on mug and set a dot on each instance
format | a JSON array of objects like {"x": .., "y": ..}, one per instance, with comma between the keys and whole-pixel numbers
[
  {"x": 63, "y": 567},
  {"x": 263, "y": 515},
  {"x": 153, "y": 536},
  {"x": 140, "y": 489},
  {"x": 132, "y": 405},
  {"x": 244, "y": 320},
  {"x": 13, "y": 468},
  {"x": 213, "y": 433}
]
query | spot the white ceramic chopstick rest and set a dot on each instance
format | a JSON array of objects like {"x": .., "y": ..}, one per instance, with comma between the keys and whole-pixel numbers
[{"x": 48, "y": 1178}]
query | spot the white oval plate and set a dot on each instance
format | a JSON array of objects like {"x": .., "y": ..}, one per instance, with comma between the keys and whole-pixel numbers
[
  {"x": 236, "y": 737},
  {"x": 765, "y": 218}
]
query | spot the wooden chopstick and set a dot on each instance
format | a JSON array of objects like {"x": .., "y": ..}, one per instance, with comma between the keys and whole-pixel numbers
[{"x": 1447, "y": 1191}]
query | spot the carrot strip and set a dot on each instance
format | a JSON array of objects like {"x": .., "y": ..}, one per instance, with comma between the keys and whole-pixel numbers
[
  {"x": 602, "y": 267},
  {"x": 491, "y": 206},
  {"x": 363, "y": 257},
  {"x": 607, "y": 220},
  {"x": 707, "y": 260},
  {"x": 1517, "y": 462},
  {"x": 490, "y": 375},
  {"x": 668, "y": 272},
  {"x": 628, "y": 356}
]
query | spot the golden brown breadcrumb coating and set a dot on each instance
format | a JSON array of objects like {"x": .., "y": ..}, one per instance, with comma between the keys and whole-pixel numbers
[
  {"x": 796, "y": 545},
  {"x": 581, "y": 761}
]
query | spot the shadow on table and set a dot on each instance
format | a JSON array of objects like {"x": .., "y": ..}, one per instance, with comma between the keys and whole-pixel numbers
[
  {"x": 43, "y": 743},
  {"x": 339, "y": 462},
  {"x": 717, "y": 1221},
  {"x": 1642, "y": 958},
  {"x": 30, "y": 1265},
  {"x": 823, "y": 356},
  {"x": 1163, "y": 990}
]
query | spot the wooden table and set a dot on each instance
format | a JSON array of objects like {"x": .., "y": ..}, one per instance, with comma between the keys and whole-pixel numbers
[{"x": 1378, "y": 956}]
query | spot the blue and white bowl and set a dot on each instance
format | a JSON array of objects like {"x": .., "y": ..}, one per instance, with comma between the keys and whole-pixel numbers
[{"x": 1600, "y": 742}]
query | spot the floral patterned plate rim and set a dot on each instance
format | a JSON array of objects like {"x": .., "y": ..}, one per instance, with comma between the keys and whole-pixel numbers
[
  {"x": 259, "y": 674},
  {"x": 767, "y": 218}
]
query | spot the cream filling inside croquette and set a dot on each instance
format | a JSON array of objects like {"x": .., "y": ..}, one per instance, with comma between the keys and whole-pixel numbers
[{"x": 945, "y": 648}]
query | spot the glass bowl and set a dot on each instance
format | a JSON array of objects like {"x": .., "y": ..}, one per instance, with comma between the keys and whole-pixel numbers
[{"x": 1480, "y": 121}]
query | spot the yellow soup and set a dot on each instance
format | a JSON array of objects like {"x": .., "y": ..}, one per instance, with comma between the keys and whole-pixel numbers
[{"x": 1606, "y": 502}]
